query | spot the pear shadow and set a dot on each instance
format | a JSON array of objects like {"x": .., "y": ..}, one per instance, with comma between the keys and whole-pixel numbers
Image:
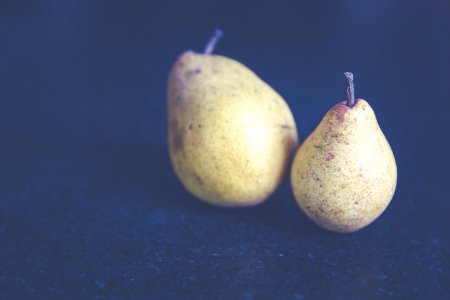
[
  {"x": 144, "y": 171},
  {"x": 282, "y": 213}
]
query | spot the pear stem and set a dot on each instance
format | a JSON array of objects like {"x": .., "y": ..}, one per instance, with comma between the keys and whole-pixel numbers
[
  {"x": 215, "y": 38},
  {"x": 350, "y": 89}
]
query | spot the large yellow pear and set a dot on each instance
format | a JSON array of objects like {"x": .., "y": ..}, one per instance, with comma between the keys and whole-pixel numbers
[
  {"x": 230, "y": 135},
  {"x": 344, "y": 175}
]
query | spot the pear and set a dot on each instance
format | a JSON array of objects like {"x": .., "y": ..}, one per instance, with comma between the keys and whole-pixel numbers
[
  {"x": 344, "y": 175},
  {"x": 230, "y": 135}
]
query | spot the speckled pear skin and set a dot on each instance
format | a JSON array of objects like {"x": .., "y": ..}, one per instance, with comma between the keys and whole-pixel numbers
[
  {"x": 344, "y": 175},
  {"x": 231, "y": 136}
]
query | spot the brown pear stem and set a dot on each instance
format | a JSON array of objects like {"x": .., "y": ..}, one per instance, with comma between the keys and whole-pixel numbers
[
  {"x": 350, "y": 89},
  {"x": 215, "y": 38}
]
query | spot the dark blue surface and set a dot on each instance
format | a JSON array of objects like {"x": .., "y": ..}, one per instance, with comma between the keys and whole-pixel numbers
[{"x": 89, "y": 204}]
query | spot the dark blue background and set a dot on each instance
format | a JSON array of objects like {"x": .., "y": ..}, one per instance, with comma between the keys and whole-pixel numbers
[{"x": 90, "y": 206}]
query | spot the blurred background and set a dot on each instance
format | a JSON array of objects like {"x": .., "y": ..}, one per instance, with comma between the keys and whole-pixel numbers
[{"x": 90, "y": 206}]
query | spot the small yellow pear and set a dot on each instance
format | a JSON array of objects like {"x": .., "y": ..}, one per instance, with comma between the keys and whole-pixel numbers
[
  {"x": 230, "y": 135},
  {"x": 344, "y": 175}
]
